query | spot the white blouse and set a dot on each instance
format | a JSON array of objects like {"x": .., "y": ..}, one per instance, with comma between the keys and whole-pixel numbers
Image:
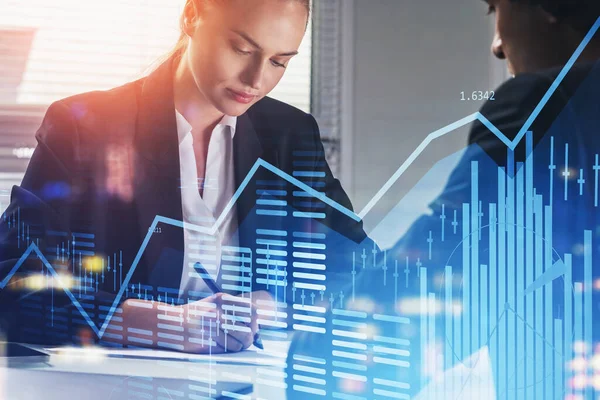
[{"x": 219, "y": 187}]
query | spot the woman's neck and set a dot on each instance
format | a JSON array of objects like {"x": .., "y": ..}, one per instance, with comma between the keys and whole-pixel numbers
[{"x": 192, "y": 104}]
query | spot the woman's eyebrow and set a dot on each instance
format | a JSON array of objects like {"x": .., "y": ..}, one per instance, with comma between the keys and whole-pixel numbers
[{"x": 256, "y": 45}]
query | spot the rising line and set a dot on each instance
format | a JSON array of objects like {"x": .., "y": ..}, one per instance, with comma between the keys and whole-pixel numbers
[{"x": 261, "y": 163}]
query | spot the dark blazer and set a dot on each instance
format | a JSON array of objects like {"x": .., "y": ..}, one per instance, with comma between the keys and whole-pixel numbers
[{"x": 107, "y": 163}]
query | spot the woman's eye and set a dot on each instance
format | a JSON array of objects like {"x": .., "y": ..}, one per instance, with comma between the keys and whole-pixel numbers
[
  {"x": 277, "y": 64},
  {"x": 242, "y": 52}
]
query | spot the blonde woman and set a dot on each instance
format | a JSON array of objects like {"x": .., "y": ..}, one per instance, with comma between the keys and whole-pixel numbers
[{"x": 175, "y": 145}]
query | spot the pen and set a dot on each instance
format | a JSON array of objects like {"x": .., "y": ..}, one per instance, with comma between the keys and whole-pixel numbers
[{"x": 212, "y": 285}]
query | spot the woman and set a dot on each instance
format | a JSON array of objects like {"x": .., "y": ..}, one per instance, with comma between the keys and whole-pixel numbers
[{"x": 131, "y": 156}]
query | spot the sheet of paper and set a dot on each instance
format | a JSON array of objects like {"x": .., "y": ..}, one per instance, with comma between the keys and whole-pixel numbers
[
  {"x": 471, "y": 379},
  {"x": 274, "y": 354}
]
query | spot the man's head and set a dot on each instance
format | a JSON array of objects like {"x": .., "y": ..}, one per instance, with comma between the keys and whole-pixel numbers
[{"x": 538, "y": 34}]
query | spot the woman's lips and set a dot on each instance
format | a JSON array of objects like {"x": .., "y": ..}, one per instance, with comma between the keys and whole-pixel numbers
[{"x": 243, "y": 98}]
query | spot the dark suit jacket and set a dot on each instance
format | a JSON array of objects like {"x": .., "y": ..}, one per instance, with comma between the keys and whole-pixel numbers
[
  {"x": 571, "y": 116},
  {"x": 107, "y": 163}
]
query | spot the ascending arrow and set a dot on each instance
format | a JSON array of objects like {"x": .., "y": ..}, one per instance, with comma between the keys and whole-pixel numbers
[{"x": 556, "y": 271}]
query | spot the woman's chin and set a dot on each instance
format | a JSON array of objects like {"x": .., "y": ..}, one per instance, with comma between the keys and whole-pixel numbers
[{"x": 233, "y": 108}]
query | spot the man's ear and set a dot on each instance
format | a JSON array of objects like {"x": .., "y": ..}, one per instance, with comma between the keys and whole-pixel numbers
[
  {"x": 549, "y": 17},
  {"x": 549, "y": 13}
]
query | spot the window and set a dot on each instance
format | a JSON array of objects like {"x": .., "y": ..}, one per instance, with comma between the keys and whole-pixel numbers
[{"x": 53, "y": 49}]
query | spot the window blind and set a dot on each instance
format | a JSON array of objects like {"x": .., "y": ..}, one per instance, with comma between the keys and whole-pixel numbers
[{"x": 326, "y": 95}]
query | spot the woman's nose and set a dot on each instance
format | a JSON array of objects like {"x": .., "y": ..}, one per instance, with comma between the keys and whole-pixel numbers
[{"x": 254, "y": 74}]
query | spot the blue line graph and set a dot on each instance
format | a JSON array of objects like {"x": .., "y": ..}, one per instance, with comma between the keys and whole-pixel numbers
[
  {"x": 33, "y": 248},
  {"x": 424, "y": 144},
  {"x": 478, "y": 116},
  {"x": 318, "y": 195}
]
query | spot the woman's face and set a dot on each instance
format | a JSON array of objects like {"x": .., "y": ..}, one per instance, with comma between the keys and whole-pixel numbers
[{"x": 243, "y": 47}]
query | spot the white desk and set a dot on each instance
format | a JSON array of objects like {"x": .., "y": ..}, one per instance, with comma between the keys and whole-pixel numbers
[{"x": 74, "y": 377}]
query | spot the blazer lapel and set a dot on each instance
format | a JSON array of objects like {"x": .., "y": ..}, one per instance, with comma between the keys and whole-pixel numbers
[
  {"x": 248, "y": 149},
  {"x": 157, "y": 178}
]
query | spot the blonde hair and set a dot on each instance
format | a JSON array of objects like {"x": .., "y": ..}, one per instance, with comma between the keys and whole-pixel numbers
[{"x": 181, "y": 44}]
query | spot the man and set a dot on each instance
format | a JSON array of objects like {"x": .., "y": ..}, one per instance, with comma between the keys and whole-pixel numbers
[{"x": 537, "y": 38}]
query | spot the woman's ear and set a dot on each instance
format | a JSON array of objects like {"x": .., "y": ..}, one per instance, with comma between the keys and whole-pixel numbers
[{"x": 191, "y": 16}]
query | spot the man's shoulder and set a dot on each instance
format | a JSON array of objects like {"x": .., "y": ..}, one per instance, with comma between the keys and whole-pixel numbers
[
  {"x": 553, "y": 86},
  {"x": 535, "y": 98},
  {"x": 519, "y": 93}
]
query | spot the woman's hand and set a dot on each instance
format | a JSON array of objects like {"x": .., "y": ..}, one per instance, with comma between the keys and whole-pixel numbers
[
  {"x": 217, "y": 324},
  {"x": 224, "y": 323}
]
